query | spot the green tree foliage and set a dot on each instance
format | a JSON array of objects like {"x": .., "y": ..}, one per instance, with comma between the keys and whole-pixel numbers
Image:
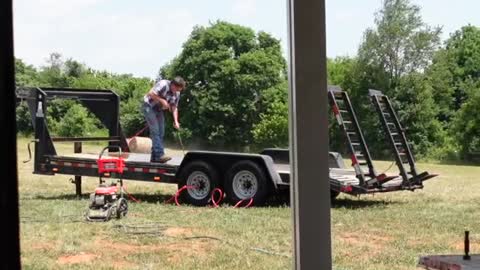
[
  {"x": 392, "y": 58},
  {"x": 466, "y": 124},
  {"x": 400, "y": 43},
  {"x": 24, "y": 75},
  {"x": 272, "y": 129},
  {"x": 418, "y": 113},
  {"x": 130, "y": 90},
  {"x": 339, "y": 69},
  {"x": 228, "y": 68},
  {"x": 453, "y": 65},
  {"x": 76, "y": 122},
  {"x": 455, "y": 78},
  {"x": 73, "y": 68},
  {"x": 71, "y": 73},
  {"x": 53, "y": 74},
  {"x": 339, "y": 72}
]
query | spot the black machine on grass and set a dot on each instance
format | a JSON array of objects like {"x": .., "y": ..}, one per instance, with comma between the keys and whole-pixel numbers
[{"x": 243, "y": 176}]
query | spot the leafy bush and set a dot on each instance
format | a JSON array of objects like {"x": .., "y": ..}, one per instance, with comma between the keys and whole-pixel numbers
[{"x": 76, "y": 123}]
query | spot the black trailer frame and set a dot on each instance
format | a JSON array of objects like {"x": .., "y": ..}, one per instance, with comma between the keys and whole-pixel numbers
[{"x": 270, "y": 168}]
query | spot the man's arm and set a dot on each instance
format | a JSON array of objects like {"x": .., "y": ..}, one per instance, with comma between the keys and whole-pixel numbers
[
  {"x": 158, "y": 99},
  {"x": 174, "y": 109}
]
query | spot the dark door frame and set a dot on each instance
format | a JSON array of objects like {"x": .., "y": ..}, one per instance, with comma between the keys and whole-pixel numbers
[{"x": 10, "y": 257}]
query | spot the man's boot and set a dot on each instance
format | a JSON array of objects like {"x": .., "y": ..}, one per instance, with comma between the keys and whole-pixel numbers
[
  {"x": 157, "y": 159},
  {"x": 164, "y": 159}
]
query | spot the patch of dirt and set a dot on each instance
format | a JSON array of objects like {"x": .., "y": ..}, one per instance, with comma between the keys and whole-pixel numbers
[
  {"x": 375, "y": 242},
  {"x": 121, "y": 264},
  {"x": 178, "y": 231},
  {"x": 414, "y": 243},
  {"x": 474, "y": 245},
  {"x": 175, "y": 250},
  {"x": 200, "y": 249},
  {"x": 371, "y": 245},
  {"x": 116, "y": 247},
  {"x": 43, "y": 246},
  {"x": 78, "y": 258}
]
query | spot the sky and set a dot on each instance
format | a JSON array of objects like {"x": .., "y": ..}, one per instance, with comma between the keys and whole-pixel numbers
[{"x": 138, "y": 37}]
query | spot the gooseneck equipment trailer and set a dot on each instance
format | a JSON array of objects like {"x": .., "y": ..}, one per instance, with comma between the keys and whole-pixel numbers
[{"x": 242, "y": 176}]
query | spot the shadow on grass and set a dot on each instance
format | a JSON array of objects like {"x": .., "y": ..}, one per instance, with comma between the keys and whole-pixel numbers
[
  {"x": 148, "y": 198},
  {"x": 338, "y": 203},
  {"x": 356, "y": 204},
  {"x": 274, "y": 201}
]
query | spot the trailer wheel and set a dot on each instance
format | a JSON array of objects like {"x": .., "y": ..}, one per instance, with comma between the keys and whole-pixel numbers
[
  {"x": 203, "y": 177},
  {"x": 245, "y": 180}
]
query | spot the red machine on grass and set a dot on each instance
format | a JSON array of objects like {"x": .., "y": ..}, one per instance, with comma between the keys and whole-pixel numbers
[{"x": 108, "y": 200}]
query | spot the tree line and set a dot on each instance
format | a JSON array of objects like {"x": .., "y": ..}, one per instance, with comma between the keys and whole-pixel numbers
[{"x": 237, "y": 97}]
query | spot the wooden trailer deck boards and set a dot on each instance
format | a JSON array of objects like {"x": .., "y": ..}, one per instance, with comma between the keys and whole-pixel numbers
[{"x": 449, "y": 262}]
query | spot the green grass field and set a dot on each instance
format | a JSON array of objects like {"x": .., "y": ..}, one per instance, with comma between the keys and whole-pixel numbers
[{"x": 384, "y": 231}]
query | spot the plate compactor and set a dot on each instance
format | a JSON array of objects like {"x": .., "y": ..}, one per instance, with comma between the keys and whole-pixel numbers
[{"x": 108, "y": 201}]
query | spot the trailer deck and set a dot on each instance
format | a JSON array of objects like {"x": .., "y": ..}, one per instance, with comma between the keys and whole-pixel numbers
[
  {"x": 140, "y": 163},
  {"x": 130, "y": 158},
  {"x": 136, "y": 160}
]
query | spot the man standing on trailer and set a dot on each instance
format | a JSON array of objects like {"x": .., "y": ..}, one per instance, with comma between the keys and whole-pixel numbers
[{"x": 163, "y": 96}]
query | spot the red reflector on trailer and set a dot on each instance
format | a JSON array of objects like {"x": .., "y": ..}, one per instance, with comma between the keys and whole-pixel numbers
[
  {"x": 346, "y": 189},
  {"x": 381, "y": 177},
  {"x": 335, "y": 109},
  {"x": 354, "y": 160},
  {"x": 55, "y": 169},
  {"x": 156, "y": 178}
]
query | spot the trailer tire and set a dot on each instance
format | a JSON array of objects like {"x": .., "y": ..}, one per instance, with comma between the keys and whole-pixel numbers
[
  {"x": 201, "y": 175},
  {"x": 245, "y": 180}
]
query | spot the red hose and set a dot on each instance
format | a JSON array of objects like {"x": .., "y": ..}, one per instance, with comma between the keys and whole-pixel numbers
[
  {"x": 216, "y": 203},
  {"x": 241, "y": 201},
  {"x": 177, "y": 194},
  {"x": 130, "y": 195},
  {"x": 140, "y": 131}
]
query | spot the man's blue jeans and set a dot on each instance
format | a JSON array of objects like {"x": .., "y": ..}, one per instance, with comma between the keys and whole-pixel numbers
[{"x": 156, "y": 124}]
